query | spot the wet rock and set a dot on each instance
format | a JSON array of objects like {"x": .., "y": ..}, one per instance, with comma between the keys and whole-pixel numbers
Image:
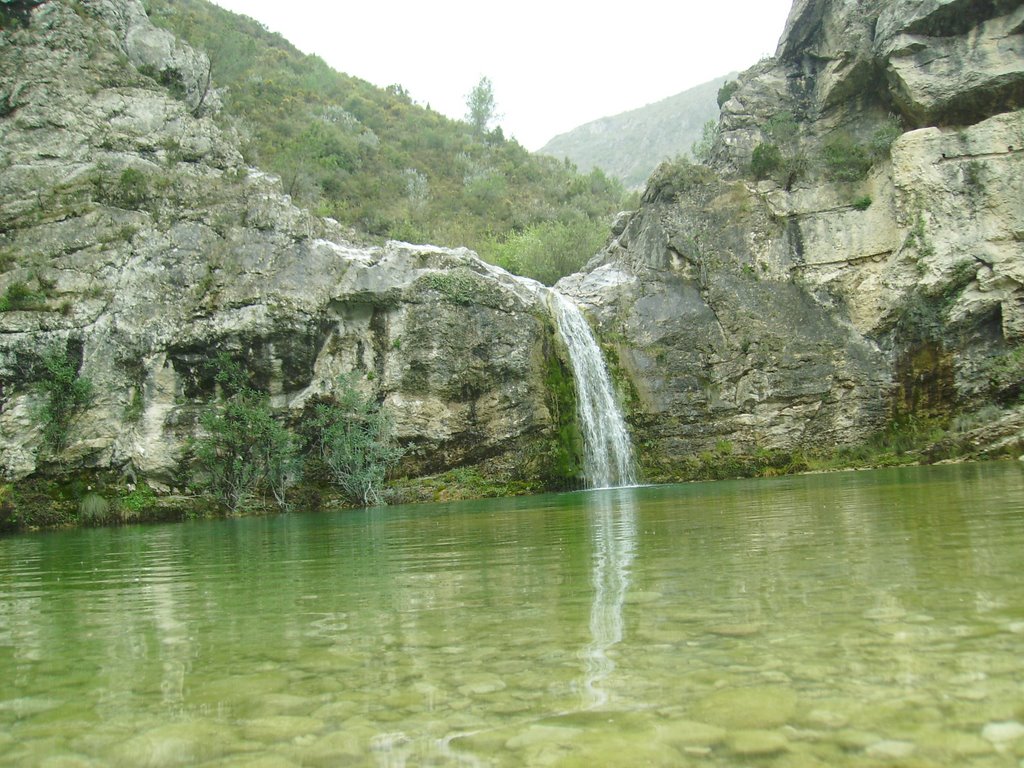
[
  {"x": 178, "y": 744},
  {"x": 757, "y": 743},
  {"x": 283, "y": 704},
  {"x": 612, "y": 749},
  {"x": 258, "y": 761},
  {"x": 537, "y": 735},
  {"x": 280, "y": 728},
  {"x": 735, "y": 630},
  {"x": 891, "y": 749},
  {"x": 478, "y": 685},
  {"x": 1004, "y": 733},
  {"x": 761, "y": 707},
  {"x": 68, "y": 761},
  {"x": 643, "y": 598},
  {"x": 827, "y": 719},
  {"x": 853, "y": 739},
  {"x": 956, "y": 743}
]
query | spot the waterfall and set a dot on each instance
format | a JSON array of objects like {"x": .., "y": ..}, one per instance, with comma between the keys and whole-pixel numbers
[{"x": 608, "y": 453}]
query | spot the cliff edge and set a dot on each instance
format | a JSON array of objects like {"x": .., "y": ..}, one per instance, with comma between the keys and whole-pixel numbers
[{"x": 852, "y": 257}]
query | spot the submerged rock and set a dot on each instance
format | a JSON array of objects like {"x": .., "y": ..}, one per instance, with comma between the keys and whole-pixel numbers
[
  {"x": 689, "y": 733},
  {"x": 177, "y": 744},
  {"x": 752, "y": 708},
  {"x": 757, "y": 743},
  {"x": 1003, "y": 733},
  {"x": 891, "y": 749}
]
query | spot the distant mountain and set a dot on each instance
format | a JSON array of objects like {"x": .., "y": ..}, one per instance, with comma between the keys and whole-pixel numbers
[{"x": 630, "y": 145}]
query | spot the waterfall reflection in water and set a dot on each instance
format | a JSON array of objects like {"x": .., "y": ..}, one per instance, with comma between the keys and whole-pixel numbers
[{"x": 611, "y": 517}]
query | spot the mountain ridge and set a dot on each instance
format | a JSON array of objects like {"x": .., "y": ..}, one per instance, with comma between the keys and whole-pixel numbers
[{"x": 631, "y": 144}]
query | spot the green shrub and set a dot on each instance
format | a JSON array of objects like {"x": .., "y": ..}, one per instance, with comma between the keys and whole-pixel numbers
[
  {"x": 132, "y": 188},
  {"x": 676, "y": 177},
  {"x": 882, "y": 139},
  {"x": 862, "y": 203},
  {"x": 93, "y": 509},
  {"x": 729, "y": 87},
  {"x": 66, "y": 395},
  {"x": 244, "y": 452},
  {"x": 1005, "y": 373},
  {"x": 548, "y": 251},
  {"x": 16, "y": 13},
  {"x": 845, "y": 159},
  {"x": 701, "y": 150},
  {"x": 136, "y": 501},
  {"x": 19, "y": 296},
  {"x": 353, "y": 440},
  {"x": 782, "y": 128},
  {"x": 765, "y": 160},
  {"x": 460, "y": 286},
  {"x": 974, "y": 173}
]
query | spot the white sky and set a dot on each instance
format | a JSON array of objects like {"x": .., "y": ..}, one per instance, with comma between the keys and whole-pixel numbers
[{"x": 554, "y": 64}]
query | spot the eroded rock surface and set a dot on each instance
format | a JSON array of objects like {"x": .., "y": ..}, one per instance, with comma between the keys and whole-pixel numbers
[
  {"x": 148, "y": 247},
  {"x": 867, "y": 268}
]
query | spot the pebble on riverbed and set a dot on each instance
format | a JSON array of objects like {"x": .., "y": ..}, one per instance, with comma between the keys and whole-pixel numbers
[
  {"x": 1002, "y": 734},
  {"x": 754, "y": 707}
]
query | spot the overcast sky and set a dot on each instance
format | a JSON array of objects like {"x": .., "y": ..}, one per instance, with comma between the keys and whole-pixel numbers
[{"x": 554, "y": 64}]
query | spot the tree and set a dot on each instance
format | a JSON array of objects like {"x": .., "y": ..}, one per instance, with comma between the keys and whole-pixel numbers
[
  {"x": 729, "y": 87},
  {"x": 480, "y": 106},
  {"x": 701, "y": 150}
]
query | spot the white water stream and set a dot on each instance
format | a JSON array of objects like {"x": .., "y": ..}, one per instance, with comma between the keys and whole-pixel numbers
[{"x": 608, "y": 452}]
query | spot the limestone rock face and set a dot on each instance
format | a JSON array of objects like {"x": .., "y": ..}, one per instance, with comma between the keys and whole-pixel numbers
[
  {"x": 871, "y": 271},
  {"x": 148, "y": 247},
  {"x": 954, "y": 61},
  {"x": 718, "y": 343}
]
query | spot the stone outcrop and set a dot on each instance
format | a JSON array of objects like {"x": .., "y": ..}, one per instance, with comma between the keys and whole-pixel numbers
[
  {"x": 872, "y": 272},
  {"x": 717, "y": 340},
  {"x": 136, "y": 241}
]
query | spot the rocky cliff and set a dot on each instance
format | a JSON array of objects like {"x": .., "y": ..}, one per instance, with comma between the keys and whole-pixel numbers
[
  {"x": 136, "y": 245},
  {"x": 850, "y": 259},
  {"x": 854, "y": 254}
]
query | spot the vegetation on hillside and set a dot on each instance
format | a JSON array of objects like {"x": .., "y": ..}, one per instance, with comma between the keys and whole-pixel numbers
[{"x": 376, "y": 161}]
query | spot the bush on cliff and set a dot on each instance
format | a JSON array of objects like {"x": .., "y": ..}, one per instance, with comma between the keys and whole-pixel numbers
[
  {"x": 351, "y": 437},
  {"x": 244, "y": 452},
  {"x": 66, "y": 395}
]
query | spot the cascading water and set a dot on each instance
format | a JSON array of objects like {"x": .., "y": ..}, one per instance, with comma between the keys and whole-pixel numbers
[{"x": 608, "y": 452}]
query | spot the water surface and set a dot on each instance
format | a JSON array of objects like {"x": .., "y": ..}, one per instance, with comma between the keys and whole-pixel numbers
[{"x": 852, "y": 619}]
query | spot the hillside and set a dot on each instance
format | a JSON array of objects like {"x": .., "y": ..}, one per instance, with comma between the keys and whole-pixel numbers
[
  {"x": 375, "y": 161},
  {"x": 629, "y": 146}
]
